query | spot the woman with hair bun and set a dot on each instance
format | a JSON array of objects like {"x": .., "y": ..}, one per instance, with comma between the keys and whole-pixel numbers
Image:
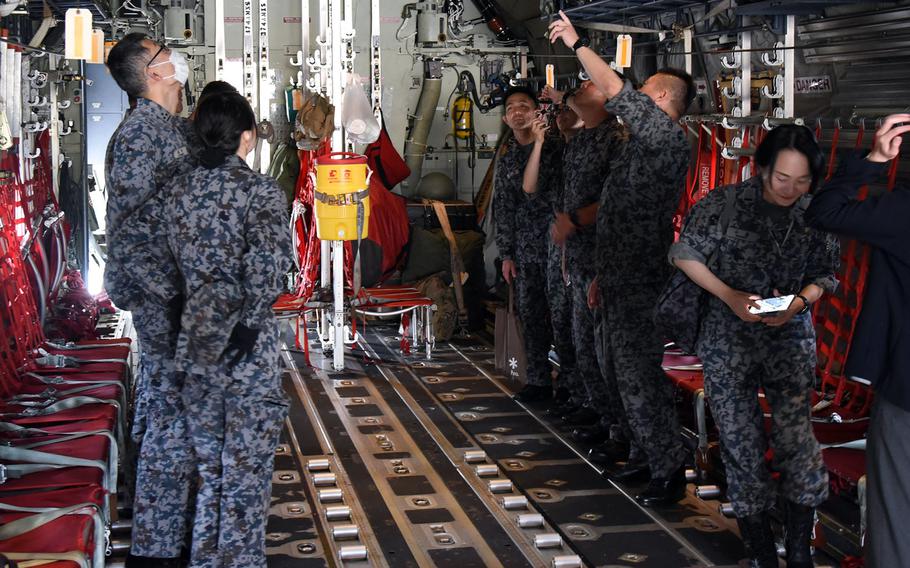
[
  {"x": 743, "y": 243},
  {"x": 229, "y": 234}
]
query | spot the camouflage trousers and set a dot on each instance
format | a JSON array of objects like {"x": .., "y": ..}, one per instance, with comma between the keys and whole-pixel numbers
[
  {"x": 601, "y": 388},
  {"x": 739, "y": 359},
  {"x": 236, "y": 419},
  {"x": 165, "y": 469},
  {"x": 534, "y": 313},
  {"x": 559, "y": 300},
  {"x": 633, "y": 354}
]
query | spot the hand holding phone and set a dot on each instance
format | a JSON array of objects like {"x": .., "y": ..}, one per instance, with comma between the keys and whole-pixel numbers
[{"x": 770, "y": 306}]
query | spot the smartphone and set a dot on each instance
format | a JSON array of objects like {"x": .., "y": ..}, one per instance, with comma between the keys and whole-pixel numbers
[{"x": 769, "y": 306}]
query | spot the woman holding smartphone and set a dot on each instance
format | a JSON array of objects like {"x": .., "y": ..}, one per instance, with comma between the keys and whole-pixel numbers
[{"x": 760, "y": 247}]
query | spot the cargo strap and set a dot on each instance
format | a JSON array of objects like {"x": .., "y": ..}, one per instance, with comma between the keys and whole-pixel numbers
[
  {"x": 42, "y": 461},
  {"x": 342, "y": 199},
  {"x": 457, "y": 262},
  {"x": 68, "y": 404},
  {"x": 44, "y": 516},
  {"x": 82, "y": 347},
  {"x": 113, "y": 453},
  {"x": 38, "y": 559}
]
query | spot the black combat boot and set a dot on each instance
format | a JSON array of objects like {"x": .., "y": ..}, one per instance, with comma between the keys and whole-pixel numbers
[
  {"x": 798, "y": 525},
  {"x": 758, "y": 540},
  {"x": 664, "y": 490},
  {"x": 534, "y": 393},
  {"x": 609, "y": 452}
]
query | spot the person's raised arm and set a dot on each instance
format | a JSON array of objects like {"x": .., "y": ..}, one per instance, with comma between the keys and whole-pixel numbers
[
  {"x": 600, "y": 72},
  {"x": 880, "y": 221},
  {"x": 532, "y": 169}
]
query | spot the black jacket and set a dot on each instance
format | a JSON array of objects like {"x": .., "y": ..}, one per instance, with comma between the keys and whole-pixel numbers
[{"x": 880, "y": 351}]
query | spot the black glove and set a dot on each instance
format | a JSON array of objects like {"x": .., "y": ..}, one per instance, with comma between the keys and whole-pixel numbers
[
  {"x": 241, "y": 343},
  {"x": 175, "y": 311}
]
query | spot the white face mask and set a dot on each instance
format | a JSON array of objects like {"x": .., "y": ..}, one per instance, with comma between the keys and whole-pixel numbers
[{"x": 181, "y": 67}]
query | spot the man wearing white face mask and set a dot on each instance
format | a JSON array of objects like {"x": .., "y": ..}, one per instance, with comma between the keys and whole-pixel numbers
[{"x": 149, "y": 148}]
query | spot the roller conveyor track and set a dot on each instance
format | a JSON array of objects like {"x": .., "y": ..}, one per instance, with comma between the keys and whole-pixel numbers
[{"x": 428, "y": 459}]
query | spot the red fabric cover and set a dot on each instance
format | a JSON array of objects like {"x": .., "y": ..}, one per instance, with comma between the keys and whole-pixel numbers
[
  {"x": 68, "y": 427},
  {"x": 96, "y": 411},
  {"x": 57, "y": 498},
  {"x": 87, "y": 448},
  {"x": 93, "y": 368},
  {"x": 385, "y": 161},
  {"x": 104, "y": 392},
  {"x": 389, "y": 224},
  {"x": 72, "y": 375},
  {"x": 56, "y": 479},
  {"x": 846, "y": 464},
  {"x": 66, "y": 534},
  {"x": 690, "y": 381},
  {"x": 100, "y": 352}
]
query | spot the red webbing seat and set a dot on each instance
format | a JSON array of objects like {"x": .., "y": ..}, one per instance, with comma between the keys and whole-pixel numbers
[
  {"x": 390, "y": 301},
  {"x": 56, "y": 479}
]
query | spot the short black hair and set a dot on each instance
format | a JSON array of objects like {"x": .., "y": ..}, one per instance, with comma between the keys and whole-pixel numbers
[
  {"x": 215, "y": 88},
  {"x": 127, "y": 61},
  {"x": 220, "y": 120},
  {"x": 792, "y": 137},
  {"x": 682, "y": 97},
  {"x": 521, "y": 90}
]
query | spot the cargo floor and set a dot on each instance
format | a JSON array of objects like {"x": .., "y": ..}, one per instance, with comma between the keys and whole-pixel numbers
[{"x": 401, "y": 461}]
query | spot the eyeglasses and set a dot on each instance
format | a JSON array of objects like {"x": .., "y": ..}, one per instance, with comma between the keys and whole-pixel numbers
[{"x": 157, "y": 53}]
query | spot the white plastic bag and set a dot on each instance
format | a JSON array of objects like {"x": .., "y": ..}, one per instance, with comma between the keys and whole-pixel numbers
[{"x": 356, "y": 114}]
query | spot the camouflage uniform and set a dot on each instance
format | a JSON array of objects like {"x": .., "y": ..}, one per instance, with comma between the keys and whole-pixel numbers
[
  {"x": 586, "y": 165},
  {"x": 522, "y": 223},
  {"x": 231, "y": 241},
  {"x": 634, "y": 232},
  {"x": 765, "y": 247},
  {"x": 559, "y": 300},
  {"x": 147, "y": 149}
]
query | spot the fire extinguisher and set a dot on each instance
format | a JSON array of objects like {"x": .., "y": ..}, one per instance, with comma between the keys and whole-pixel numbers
[{"x": 463, "y": 117}]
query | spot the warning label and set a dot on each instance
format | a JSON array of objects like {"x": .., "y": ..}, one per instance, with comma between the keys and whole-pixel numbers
[
  {"x": 233, "y": 19},
  {"x": 812, "y": 85},
  {"x": 292, "y": 19}
]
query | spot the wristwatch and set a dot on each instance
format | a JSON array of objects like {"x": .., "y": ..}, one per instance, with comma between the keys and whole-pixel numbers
[
  {"x": 567, "y": 94},
  {"x": 583, "y": 41},
  {"x": 807, "y": 305}
]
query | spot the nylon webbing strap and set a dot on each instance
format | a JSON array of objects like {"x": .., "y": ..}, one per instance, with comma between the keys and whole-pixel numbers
[
  {"x": 75, "y": 347},
  {"x": 66, "y": 404},
  {"x": 58, "y": 380},
  {"x": 44, "y": 458},
  {"x": 342, "y": 199},
  {"x": 19, "y": 470},
  {"x": 457, "y": 263},
  {"x": 44, "y": 516},
  {"x": 51, "y": 393},
  {"x": 45, "y": 354},
  {"x": 37, "y": 559}
]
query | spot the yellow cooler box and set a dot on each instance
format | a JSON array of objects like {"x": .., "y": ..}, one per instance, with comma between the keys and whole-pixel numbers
[{"x": 342, "y": 196}]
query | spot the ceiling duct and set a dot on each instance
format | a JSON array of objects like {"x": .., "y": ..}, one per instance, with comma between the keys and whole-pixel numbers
[{"x": 857, "y": 37}]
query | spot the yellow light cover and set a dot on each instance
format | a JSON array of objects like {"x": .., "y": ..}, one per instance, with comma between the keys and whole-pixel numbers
[
  {"x": 97, "y": 55},
  {"x": 78, "y": 35},
  {"x": 624, "y": 51}
]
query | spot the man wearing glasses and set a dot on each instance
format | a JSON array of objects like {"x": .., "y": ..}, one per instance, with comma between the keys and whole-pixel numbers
[{"x": 148, "y": 148}]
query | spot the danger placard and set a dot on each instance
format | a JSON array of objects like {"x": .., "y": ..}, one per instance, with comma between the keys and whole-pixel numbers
[{"x": 812, "y": 85}]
